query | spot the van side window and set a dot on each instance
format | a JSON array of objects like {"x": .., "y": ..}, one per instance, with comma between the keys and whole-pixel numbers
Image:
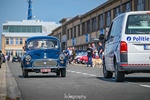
[
  {"x": 116, "y": 27},
  {"x": 119, "y": 25}
]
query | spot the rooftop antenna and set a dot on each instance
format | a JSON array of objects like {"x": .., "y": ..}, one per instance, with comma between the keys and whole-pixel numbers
[{"x": 29, "y": 9}]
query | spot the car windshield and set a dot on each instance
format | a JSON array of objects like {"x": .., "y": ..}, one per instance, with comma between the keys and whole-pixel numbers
[
  {"x": 138, "y": 24},
  {"x": 42, "y": 44}
]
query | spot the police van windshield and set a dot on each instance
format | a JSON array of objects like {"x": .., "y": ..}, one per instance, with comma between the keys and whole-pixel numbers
[
  {"x": 138, "y": 24},
  {"x": 42, "y": 44}
]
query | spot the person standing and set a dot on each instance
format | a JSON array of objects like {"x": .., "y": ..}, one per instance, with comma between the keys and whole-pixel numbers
[
  {"x": 73, "y": 55},
  {"x": 89, "y": 55},
  {"x": 66, "y": 52},
  {"x": 94, "y": 50},
  {"x": 100, "y": 50}
]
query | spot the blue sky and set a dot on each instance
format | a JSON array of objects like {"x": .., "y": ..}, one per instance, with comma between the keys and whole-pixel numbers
[{"x": 46, "y": 10}]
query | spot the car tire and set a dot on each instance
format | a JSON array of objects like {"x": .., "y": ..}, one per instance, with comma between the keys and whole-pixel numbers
[
  {"x": 63, "y": 72},
  {"x": 107, "y": 74},
  {"x": 58, "y": 73},
  {"x": 0, "y": 65},
  {"x": 24, "y": 73},
  {"x": 119, "y": 76}
]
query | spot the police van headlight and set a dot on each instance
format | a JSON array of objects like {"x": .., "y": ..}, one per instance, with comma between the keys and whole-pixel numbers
[
  {"x": 61, "y": 56},
  {"x": 28, "y": 58}
]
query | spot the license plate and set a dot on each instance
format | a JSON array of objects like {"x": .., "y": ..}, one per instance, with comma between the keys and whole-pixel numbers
[
  {"x": 45, "y": 70},
  {"x": 16, "y": 60},
  {"x": 146, "y": 47}
]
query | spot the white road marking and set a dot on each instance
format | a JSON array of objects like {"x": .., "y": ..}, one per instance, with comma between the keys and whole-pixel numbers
[
  {"x": 142, "y": 85},
  {"x": 148, "y": 86},
  {"x": 82, "y": 73}
]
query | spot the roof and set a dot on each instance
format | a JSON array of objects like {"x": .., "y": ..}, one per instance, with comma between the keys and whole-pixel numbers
[{"x": 41, "y": 37}]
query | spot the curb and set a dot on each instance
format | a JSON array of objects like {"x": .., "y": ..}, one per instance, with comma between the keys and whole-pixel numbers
[
  {"x": 3, "y": 90},
  {"x": 13, "y": 92}
]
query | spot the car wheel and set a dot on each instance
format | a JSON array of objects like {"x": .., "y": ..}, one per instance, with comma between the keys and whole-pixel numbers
[
  {"x": 107, "y": 74},
  {"x": 58, "y": 73},
  {"x": 25, "y": 73},
  {"x": 63, "y": 72},
  {"x": 0, "y": 65},
  {"x": 119, "y": 76}
]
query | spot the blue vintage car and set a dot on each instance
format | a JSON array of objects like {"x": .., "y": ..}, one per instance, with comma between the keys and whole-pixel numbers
[{"x": 42, "y": 55}]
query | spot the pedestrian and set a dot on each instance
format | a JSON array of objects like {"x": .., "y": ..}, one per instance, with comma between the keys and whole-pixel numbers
[
  {"x": 73, "y": 55},
  {"x": 94, "y": 50},
  {"x": 100, "y": 50},
  {"x": 66, "y": 52},
  {"x": 89, "y": 55},
  {"x": 0, "y": 58},
  {"x": 70, "y": 55}
]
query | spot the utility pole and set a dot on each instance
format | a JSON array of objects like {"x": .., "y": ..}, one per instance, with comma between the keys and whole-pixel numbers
[{"x": 29, "y": 10}]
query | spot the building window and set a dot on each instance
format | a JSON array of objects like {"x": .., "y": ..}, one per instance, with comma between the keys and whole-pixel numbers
[
  {"x": 108, "y": 18},
  {"x": 5, "y": 28},
  {"x": 7, "y": 40},
  {"x": 71, "y": 32},
  {"x": 88, "y": 26},
  {"x": 9, "y": 52},
  {"x": 22, "y": 29},
  {"x": 18, "y": 52},
  {"x": 17, "y": 41},
  {"x": 78, "y": 30},
  {"x": 140, "y": 4},
  {"x": 83, "y": 28},
  {"x": 75, "y": 32},
  {"x": 11, "y": 41},
  {"x": 94, "y": 24},
  {"x": 20, "y": 40},
  {"x": 117, "y": 11},
  {"x": 127, "y": 7},
  {"x": 68, "y": 34},
  {"x": 101, "y": 21}
]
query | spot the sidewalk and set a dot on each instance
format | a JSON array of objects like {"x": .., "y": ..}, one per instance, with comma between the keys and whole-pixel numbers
[{"x": 3, "y": 82}]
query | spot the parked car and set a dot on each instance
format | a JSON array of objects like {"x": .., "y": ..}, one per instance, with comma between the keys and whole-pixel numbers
[
  {"x": 84, "y": 59},
  {"x": 127, "y": 48},
  {"x": 16, "y": 59},
  {"x": 42, "y": 55},
  {"x": 79, "y": 54}
]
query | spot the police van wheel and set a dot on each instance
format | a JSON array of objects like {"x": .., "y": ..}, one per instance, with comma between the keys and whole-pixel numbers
[
  {"x": 107, "y": 74},
  {"x": 119, "y": 76},
  {"x": 25, "y": 73},
  {"x": 63, "y": 72}
]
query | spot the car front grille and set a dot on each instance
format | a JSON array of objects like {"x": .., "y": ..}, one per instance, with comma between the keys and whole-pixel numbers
[{"x": 45, "y": 63}]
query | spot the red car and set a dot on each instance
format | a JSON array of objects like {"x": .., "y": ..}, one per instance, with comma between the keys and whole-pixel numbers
[{"x": 84, "y": 59}]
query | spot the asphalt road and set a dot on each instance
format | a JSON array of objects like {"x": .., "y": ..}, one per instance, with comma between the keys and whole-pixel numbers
[{"x": 81, "y": 83}]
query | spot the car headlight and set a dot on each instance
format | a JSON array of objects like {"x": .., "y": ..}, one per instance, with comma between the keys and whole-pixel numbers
[
  {"x": 28, "y": 58},
  {"x": 61, "y": 56}
]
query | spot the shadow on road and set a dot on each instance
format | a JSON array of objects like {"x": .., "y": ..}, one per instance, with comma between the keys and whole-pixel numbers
[
  {"x": 127, "y": 79},
  {"x": 137, "y": 79},
  {"x": 41, "y": 76}
]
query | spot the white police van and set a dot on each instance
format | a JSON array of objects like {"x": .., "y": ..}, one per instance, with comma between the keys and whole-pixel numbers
[{"x": 127, "y": 45}]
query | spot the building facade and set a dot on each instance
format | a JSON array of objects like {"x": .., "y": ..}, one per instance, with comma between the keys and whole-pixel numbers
[
  {"x": 80, "y": 30},
  {"x": 15, "y": 33}
]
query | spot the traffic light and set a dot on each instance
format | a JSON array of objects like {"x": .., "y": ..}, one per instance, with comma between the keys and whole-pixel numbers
[{"x": 101, "y": 37}]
